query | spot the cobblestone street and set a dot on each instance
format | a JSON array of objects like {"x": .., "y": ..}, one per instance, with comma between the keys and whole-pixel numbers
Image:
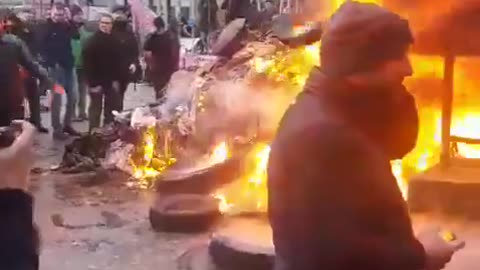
[{"x": 109, "y": 227}]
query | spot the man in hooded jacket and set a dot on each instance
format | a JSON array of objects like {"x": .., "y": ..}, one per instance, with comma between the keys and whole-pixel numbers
[{"x": 334, "y": 203}]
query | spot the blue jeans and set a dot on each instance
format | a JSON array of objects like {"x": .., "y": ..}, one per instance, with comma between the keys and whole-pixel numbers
[{"x": 65, "y": 78}]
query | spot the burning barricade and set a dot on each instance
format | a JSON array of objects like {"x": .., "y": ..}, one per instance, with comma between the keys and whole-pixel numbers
[
  {"x": 201, "y": 114},
  {"x": 234, "y": 104}
]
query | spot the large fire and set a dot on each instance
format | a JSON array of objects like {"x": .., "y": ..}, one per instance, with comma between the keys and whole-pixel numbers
[{"x": 291, "y": 69}]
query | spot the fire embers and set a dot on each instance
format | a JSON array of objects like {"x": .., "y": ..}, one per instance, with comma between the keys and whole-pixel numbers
[{"x": 149, "y": 159}]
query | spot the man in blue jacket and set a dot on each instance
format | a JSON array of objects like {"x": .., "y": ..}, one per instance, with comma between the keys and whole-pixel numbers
[{"x": 58, "y": 57}]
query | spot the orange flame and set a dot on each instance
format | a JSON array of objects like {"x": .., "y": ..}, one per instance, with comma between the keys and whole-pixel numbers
[
  {"x": 150, "y": 167},
  {"x": 144, "y": 170},
  {"x": 293, "y": 66},
  {"x": 249, "y": 193},
  {"x": 220, "y": 153}
]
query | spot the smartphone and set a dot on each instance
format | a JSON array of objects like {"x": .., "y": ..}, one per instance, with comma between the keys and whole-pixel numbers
[{"x": 448, "y": 236}]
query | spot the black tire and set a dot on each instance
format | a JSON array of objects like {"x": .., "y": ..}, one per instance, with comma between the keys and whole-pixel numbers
[
  {"x": 196, "y": 258},
  {"x": 203, "y": 181},
  {"x": 241, "y": 245},
  {"x": 184, "y": 213},
  {"x": 229, "y": 258}
]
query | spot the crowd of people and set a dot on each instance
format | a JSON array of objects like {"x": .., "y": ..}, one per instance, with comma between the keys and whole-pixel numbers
[
  {"x": 95, "y": 63},
  {"x": 76, "y": 60}
]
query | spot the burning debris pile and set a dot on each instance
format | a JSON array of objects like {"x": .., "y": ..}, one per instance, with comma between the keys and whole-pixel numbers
[{"x": 222, "y": 109}]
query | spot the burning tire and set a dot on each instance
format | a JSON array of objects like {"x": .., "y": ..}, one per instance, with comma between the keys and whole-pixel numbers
[
  {"x": 202, "y": 181},
  {"x": 243, "y": 244},
  {"x": 186, "y": 213}
]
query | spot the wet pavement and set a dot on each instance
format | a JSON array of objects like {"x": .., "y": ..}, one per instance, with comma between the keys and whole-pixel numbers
[
  {"x": 106, "y": 226},
  {"x": 101, "y": 226}
]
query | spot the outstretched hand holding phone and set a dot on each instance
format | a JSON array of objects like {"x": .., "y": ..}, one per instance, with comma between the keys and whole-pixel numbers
[
  {"x": 439, "y": 250},
  {"x": 16, "y": 159}
]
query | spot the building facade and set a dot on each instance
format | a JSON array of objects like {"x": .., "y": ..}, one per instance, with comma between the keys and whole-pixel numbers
[{"x": 184, "y": 8}]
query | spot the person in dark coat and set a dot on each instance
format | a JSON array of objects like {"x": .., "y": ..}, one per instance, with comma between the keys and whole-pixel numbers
[
  {"x": 18, "y": 235},
  {"x": 162, "y": 53},
  {"x": 207, "y": 10},
  {"x": 128, "y": 48},
  {"x": 14, "y": 54},
  {"x": 334, "y": 203},
  {"x": 58, "y": 55},
  {"x": 21, "y": 29},
  {"x": 18, "y": 28},
  {"x": 102, "y": 63},
  {"x": 236, "y": 9},
  {"x": 174, "y": 30},
  {"x": 207, "y": 20}
]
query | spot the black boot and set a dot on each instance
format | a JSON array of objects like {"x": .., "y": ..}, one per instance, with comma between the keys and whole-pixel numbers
[
  {"x": 71, "y": 131},
  {"x": 42, "y": 129}
]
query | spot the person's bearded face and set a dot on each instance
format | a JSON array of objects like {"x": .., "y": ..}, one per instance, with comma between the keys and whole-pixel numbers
[
  {"x": 78, "y": 18},
  {"x": 389, "y": 74},
  {"x": 394, "y": 72}
]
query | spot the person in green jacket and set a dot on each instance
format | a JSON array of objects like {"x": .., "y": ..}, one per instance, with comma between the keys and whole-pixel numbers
[{"x": 77, "y": 47}]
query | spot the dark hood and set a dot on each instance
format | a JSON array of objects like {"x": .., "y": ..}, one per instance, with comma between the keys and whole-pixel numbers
[
  {"x": 121, "y": 26},
  {"x": 359, "y": 37},
  {"x": 388, "y": 116}
]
